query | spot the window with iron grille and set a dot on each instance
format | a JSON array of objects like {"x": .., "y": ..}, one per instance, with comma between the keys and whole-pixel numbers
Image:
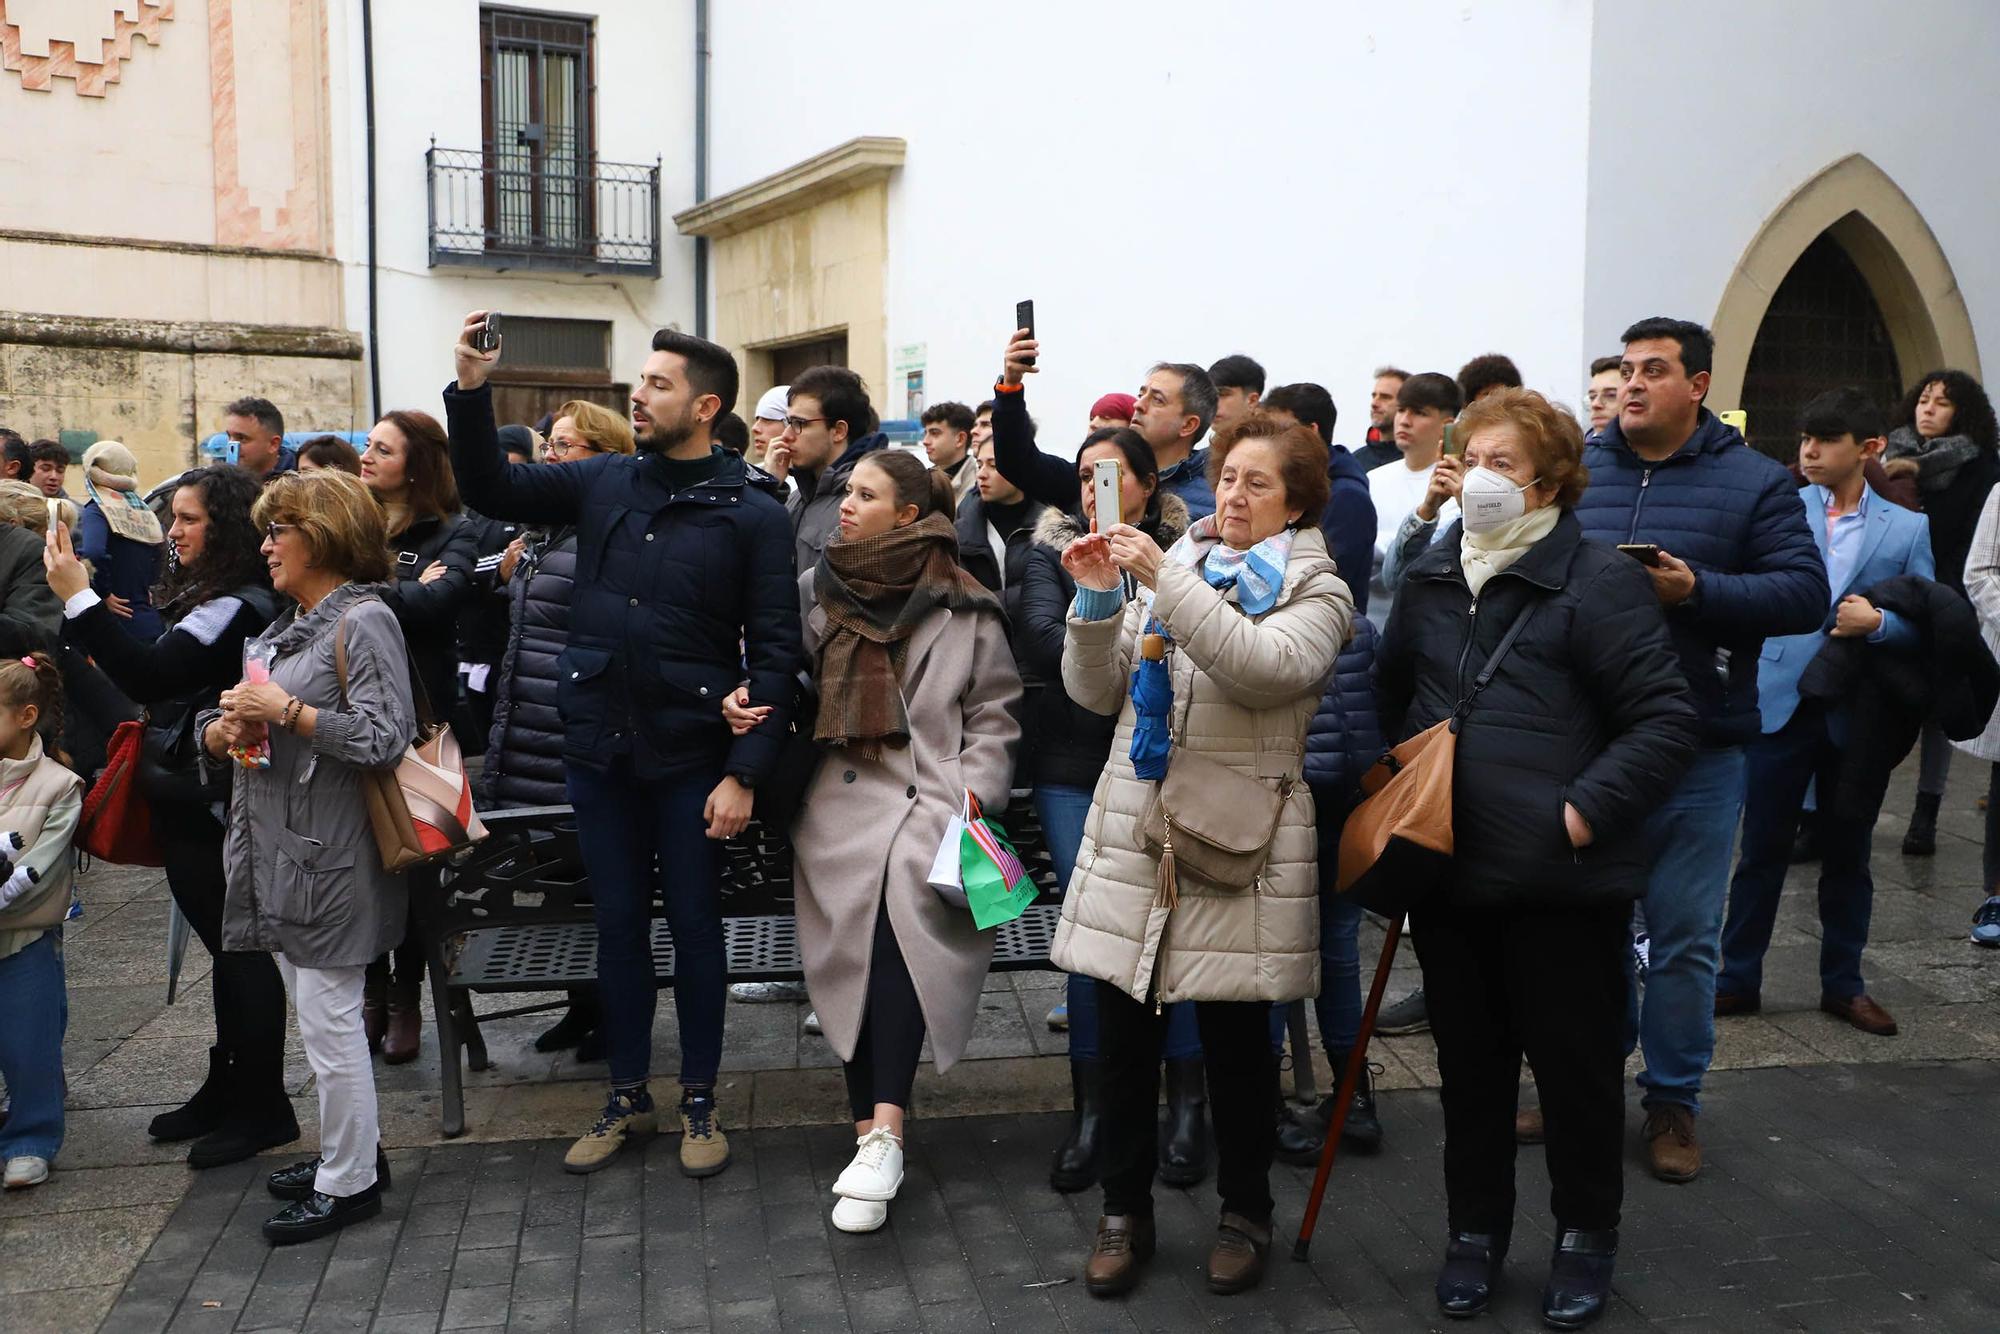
[
  {"x": 537, "y": 131},
  {"x": 1823, "y": 330}
]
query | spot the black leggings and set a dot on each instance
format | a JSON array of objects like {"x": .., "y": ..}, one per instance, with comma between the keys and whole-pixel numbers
[
  {"x": 884, "y": 1067},
  {"x": 1992, "y": 857},
  {"x": 249, "y": 994},
  {"x": 408, "y": 957}
]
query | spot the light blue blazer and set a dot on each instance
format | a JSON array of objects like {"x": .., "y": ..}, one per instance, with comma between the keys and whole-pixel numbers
[{"x": 1894, "y": 541}]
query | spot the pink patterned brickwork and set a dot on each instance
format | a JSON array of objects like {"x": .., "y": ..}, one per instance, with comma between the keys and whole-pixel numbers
[
  {"x": 297, "y": 223},
  {"x": 91, "y": 78}
]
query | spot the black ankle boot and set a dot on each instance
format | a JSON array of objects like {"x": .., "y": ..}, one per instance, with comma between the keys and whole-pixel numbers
[
  {"x": 204, "y": 1111},
  {"x": 1579, "y": 1278},
  {"x": 1184, "y": 1147},
  {"x": 1363, "y": 1131},
  {"x": 1920, "y": 840},
  {"x": 1471, "y": 1271},
  {"x": 1301, "y": 1134},
  {"x": 1075, "y": 1165},
  {"x": 260, "y": 1115},
  {"x": 566, "y": 1032}
]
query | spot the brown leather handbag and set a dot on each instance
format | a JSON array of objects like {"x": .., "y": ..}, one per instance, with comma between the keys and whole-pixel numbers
[
  {"x": 1397, "y": 844},
  {"x": 1211, "y": 821}
]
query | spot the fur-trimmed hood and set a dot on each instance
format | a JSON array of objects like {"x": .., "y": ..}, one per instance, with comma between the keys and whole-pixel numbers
[{"x": 1056, "y": 529}]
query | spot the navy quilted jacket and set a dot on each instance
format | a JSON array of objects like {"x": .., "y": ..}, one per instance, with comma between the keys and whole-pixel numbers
[
  {"x": 678, "y": 596},
  {"x": 1733, "y": 515},
  {"x": 1345, "y": 736}
]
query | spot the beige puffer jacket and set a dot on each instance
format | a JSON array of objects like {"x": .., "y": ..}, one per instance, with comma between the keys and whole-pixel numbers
[{"x": 1244, "y": 690}]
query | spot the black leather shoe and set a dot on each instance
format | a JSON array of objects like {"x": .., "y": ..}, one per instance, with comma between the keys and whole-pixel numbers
[
  {"x": 1471, "y": 1271},
  {"x": 296, "y": 1182},
  {"x": 318, "y": 1214},
  {"x": 1579, "y": 1278}
]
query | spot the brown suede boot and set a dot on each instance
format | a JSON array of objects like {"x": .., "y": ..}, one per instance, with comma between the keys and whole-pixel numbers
[
  {"x": 1124, "y": 1244},
  {"x": 404, "y": 1037},
  {"x": 1237, "y": 1262}
]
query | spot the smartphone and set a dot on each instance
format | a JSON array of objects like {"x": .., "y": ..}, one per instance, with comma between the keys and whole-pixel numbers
[
  {"x": 1738, "y": 418},
  {"x": 1646, "y": 553},
  {"x": 1108, "y": 488},
  {"x": 1451, "y": 446},
  {"x": 55, "y": 513},
  {"x": 488, "y": 338},
  {"x": 1024, "y": 318}
]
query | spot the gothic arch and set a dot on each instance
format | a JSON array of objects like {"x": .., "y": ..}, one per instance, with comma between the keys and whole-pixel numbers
[{"x": 1887, "y": 238}]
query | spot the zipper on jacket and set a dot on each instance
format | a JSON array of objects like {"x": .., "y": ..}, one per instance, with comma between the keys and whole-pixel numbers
[
  {"x": 1645, "y": 480},
  {"x": 1471, "y": 631}
]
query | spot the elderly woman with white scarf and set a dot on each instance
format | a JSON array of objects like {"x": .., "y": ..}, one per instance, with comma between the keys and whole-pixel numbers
[
  {"x": 1582, "y": 727},
  {"x": 120, "y": 537},
  {"x": 1250, "y": 614}
]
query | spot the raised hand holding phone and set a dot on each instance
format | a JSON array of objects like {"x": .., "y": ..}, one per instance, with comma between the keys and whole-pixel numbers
[
  {"x": 1019, "y": 359},
  {"x": 1107, "y": 495}
]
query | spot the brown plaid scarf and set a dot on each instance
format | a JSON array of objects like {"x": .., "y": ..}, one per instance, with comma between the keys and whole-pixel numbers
[{"x": 875, "y": 592}]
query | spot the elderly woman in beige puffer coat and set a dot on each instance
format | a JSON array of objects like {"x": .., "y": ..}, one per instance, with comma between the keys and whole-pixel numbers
[{"x": 1256, "y": 614}]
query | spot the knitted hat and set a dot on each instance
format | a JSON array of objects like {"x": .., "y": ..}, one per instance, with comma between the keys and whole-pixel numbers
[
  {"x": 112, "y": 457},
  {"x": 1114, "y": 405}
]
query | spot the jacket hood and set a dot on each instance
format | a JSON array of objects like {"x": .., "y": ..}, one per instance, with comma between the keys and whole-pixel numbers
[
  {"x": 853, "y": 454},
  {"x": 291, "y": 629},
  {"x": 1056, "y": 528},
  {"x": 1711, "y": 435},
  {"x": 1340, "y": 463},
  {"x": 738, "y": 471}
]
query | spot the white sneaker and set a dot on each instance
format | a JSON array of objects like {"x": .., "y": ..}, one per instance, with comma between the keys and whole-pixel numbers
[
  {"x": 877, "y": 1170},
  {"x": 764, "y": 993},
  {"x": 812, "y": 1024},
  {"x": 860, "y": 1215},
  {"x": 28, "y": 1170}
]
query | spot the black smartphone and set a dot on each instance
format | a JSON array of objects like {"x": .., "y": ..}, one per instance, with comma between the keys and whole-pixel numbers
[
  {"x": 488, "y": 338},
  {"x": 1646, "y": 553},
  {"x": 1024, "y": 318}
]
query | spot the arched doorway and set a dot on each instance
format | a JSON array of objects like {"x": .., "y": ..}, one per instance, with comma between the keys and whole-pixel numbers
[
  {"x": 1823, "y": 330},
  {"x": 1851, "y": 217}
]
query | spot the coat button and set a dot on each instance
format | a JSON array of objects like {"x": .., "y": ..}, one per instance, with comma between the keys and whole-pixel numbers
[
  {"x": 631, "y": 602},
  {"x": 847, "y": 777},
  {"x": 574, "y": 675},
  {"x": 702, "y": 689},
  {"x": 910, "y": 792},
  {"x": 649, "y": 537}
]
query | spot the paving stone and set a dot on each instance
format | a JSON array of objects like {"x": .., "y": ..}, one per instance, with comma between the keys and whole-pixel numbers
[{"x": 475, "y": 1308}]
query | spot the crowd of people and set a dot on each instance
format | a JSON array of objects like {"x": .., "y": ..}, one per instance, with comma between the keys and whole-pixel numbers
[{"x": 1648, "y": 637}]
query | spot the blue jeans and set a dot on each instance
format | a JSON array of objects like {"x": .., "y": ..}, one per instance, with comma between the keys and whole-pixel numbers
[
  {"x": 1780, "y": 767},
  {"x": 1062, "y": 811},
  {"x": 36, "y": 1009},
  {"x": 1689, "y": 839},
  {"x": 623, "y": 824}
]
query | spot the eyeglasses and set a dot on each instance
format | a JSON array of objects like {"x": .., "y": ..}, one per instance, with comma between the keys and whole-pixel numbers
[
  {"x": 559, "y": 448},
  {"x": 271, "y": 530},
  {"x": 800, "y": 423}
]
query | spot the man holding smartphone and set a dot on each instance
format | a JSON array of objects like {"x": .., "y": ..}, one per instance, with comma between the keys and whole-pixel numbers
[{"x": 1736, "y": 563}]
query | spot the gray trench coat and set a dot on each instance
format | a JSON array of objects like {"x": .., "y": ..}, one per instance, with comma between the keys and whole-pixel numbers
[
  {"x": 869, "y": 829},
  {"x": 305, "y": 875}
]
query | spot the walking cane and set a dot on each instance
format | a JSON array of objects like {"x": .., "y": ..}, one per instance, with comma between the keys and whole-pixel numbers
[{"x": 1344, "y": 1095}]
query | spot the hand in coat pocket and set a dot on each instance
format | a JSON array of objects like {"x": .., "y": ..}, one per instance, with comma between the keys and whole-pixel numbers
[{"x": 1577, "y": 827}]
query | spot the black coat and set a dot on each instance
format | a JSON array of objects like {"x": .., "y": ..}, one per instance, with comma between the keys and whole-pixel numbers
[
  {"x": 428, "y": 612},
  {"x": 1071, "y": 742},
  {"x": 975, "y": 551},
  {"x": 1590, "y": 708},
  {"x": 482, "y": 626},
  {"x": 524, "y": 752},
  {"x": 1883, "y": 697},
  {"x": 679, "y": 596}
]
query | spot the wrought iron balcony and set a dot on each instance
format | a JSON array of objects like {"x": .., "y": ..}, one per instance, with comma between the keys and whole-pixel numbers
[{"x": 512, "y": 208}]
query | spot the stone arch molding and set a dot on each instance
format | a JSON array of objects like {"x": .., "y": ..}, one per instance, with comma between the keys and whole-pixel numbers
[{"x": 1890, "y": 243}]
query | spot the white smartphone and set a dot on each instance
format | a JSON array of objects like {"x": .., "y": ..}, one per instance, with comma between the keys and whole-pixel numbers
[
  {"x": 1109, "y": 489},
  {"x": 55, "y": 513}
]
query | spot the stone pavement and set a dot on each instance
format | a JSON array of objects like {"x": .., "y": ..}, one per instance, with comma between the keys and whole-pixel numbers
[
  {"x": 67, "y": 1249},
  {"x": 1837, "y": 1198}
]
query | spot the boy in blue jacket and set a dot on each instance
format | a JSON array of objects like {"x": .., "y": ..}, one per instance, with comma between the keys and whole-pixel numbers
[{"x": 1863, "y": 540}]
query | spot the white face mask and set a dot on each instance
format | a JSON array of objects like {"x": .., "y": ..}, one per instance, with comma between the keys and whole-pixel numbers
[{"x": 1487, "y": 500}]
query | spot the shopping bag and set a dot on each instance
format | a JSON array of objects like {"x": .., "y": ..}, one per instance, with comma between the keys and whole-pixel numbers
[
  {"x": 945, "y": 875},
  {"x": 998, "y": 887}
]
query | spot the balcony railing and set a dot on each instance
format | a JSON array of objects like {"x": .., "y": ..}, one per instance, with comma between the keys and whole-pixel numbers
[{"x": 504, "y": 210}]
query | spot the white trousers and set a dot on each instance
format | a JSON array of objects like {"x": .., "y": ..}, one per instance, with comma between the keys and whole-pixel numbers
[{"x": 329, "y": 1004}]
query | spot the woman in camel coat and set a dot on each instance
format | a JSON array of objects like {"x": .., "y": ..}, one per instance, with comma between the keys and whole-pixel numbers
[{"x": 918, "y": 704}]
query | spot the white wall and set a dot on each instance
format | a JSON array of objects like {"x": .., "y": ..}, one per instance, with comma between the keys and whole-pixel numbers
[
  {"x": 1685, "y": 167},
  {"x": 1322, "y": 185},
  {"x": 427, "y": 83}
]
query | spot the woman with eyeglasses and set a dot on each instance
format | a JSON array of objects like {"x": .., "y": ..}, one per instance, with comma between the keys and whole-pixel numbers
[
  {"x": 524, "y": 764},
  {"x": 433, "y": 552},
  {"x": 216, "y": 594},
  {"x": 306, "y": 880}
]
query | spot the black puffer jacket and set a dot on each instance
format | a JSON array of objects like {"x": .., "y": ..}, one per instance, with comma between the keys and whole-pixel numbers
[
  {"x": 428, "y": 612},
  {"x": 1071, "y": 742},
  {"x": 524, "y": 752},
  {"x": 1344, "y": 738},
  {"x": 1590, "y": 707}
]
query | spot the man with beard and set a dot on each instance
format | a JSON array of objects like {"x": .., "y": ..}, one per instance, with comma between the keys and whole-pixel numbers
[{"x": 683, "y": 553}]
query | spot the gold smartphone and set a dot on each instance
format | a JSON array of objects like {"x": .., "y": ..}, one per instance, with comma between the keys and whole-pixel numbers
[
  {"x": 1738, "y": 418},
  {"x": 1107, "y": 486}
]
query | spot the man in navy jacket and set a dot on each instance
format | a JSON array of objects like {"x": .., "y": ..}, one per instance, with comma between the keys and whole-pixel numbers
[
  {"x": 1736, "y": 563},
  {"x": 684, "y": 587}
]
